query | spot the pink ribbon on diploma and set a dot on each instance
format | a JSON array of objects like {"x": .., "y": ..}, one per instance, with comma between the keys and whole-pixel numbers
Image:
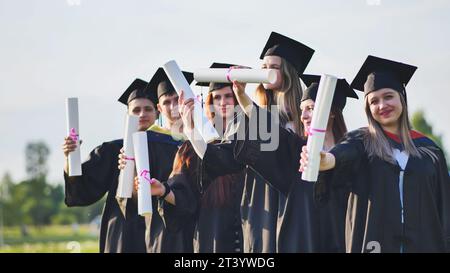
[
  {"x": 144, "y": 175},
  {"x": 312, "y": 130},
  {"x": 129, "y": 158},
  {"x": 228, "y": 74},
  {"x": 73, "y": 134}
]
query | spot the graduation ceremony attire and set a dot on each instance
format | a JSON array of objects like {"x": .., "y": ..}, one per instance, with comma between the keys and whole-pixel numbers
[
  {"x": 263, "y": 206},
  {"x": 119, "y": 232},
  {"x": 303, "y": 225},
  {"x": 400, "y": 206},
  {"x": 208, "y": 197}
]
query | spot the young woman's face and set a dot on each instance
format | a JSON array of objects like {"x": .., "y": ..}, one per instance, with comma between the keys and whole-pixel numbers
[
  {"x": 307, "y": 107},
  {"x": 168, "y": 106},
  {"x": 273, "y": 62},
  {"x": 223, "y": 102},
  {"x": 385, "y": 106},
  {"x": 145, "y": 110}
]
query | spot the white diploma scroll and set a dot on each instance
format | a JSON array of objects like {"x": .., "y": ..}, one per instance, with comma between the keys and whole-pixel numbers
[
  {"x": 201, "y": 122},
  {"x": 73, "y": 131},
  {"x": 222, "y": 75},
  {"x": 126, "y": 176},
  {"x": 318, "y": 127},
  {"x": 143, "y": 172}
]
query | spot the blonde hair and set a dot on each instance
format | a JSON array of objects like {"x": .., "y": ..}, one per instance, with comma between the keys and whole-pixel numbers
[
  {"x": 287, "y": 98},
  {"x": 377, "y": 144}
]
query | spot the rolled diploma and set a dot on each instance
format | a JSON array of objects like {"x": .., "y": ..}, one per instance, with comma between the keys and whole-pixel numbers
[
  {"x": 319, "y": 122},
  {"x": 73, "y": 128},
  {"x": 201, "y": 122},
  {"x": 143, "y": 172},
  {"x": 126, "y": 176},
  {"x": 222, "y": 75}
]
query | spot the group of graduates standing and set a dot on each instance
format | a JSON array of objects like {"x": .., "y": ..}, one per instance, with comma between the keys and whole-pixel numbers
[{"x": 381, "y": 188}]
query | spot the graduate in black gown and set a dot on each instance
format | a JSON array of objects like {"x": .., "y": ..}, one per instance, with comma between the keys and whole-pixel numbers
[
  {"x": 303, "y": 226},
  {"x": 119, "y": 232},
  {"x": 163, "y": 144},
  {"x": 262, "y": 205},
  {"x": 260, "y": 201},
  {"x": 100, "y": 176},
  {"x": 398, "y": 178},
  {"x": 201, "y": 195}
]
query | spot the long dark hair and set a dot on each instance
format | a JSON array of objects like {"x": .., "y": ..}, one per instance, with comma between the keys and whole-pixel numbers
[{"x": 339, "y": 128}]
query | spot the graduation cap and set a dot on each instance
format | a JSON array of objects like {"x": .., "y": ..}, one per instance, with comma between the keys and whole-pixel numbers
[
  {"x": 217, "y": 85},
  {"x": 377, "y": 73},
  {"x": 161, "y": 83},
  {"x": 342, "y": 91},
  {"x": 137, "y": 90},
  {"x": 296, "y": 53}
]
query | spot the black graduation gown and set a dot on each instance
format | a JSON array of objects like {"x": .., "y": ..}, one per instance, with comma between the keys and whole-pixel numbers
[
  {"x": 302, "y": 225},
  {"x": 100, "y": 176},
  {"x": 259, "y": 204},
  {"x": 374, "y": 210},
  {"x": 260, "y": 200},
  {"x": 211, "y": 227},
  {"x": 178, "y": 220},
  {"x": 259, "y": 212}
]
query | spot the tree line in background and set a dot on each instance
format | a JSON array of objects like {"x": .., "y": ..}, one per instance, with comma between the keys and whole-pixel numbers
[{"x": 36, "y": 202}]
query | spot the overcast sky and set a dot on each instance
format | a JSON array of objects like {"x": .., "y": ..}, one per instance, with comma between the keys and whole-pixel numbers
[{"x": 93, "y": 49}]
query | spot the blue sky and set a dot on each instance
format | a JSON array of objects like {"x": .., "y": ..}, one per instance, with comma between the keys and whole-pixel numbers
[{"x": 93, "y": 49}]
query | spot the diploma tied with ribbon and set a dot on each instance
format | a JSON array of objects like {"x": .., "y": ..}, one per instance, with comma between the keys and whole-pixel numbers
[
  {"x": 141, "y": 158},
  {"x": 126, "y": 176},
  {"x": 201, "y": 122},
  {"x": 244, "y": 75},
  {"x": 73, "y": 130},
  {"x": 316, "y": 134}
]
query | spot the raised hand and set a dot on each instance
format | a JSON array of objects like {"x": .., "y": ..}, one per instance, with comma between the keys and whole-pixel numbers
[{"x": 186, "y": 111}]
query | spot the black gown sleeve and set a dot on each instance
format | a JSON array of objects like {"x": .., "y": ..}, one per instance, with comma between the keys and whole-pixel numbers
[
  {"x": 278, "y": 166},
  {"x": 186, "y": 203},
  {"x": 444, "y": 196},
  {"x": 349, "y": 154},
  {"x": 99, "y": 170},
  {"x": 219, "y": 160}
]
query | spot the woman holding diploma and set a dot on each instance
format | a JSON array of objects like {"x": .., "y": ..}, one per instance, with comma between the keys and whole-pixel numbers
[
  {"x": 201, "y": 195},
  {"x": 398, "y": 178},
  {"x": 260, "y": 201},
  {"x": 302, "y": 226},
  {"x": 100, "y": 176}
]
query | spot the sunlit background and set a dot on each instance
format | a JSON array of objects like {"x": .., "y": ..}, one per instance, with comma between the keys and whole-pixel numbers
[{"x": 93, "y": 49}]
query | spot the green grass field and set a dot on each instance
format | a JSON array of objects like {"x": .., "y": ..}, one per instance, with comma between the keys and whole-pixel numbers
[{"x": 50, "y": 239}]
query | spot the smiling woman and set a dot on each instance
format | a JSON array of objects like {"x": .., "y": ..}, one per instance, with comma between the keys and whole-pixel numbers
[{"x": 398, "y": 178}]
